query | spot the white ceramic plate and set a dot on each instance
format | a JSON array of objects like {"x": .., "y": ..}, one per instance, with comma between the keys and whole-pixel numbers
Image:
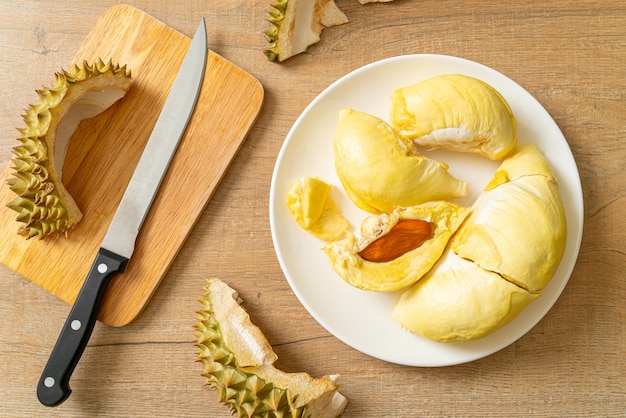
[{"x": 360, "y": 318}]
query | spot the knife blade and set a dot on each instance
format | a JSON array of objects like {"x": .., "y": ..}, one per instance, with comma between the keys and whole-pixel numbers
[{"x": 119, "y": 242}]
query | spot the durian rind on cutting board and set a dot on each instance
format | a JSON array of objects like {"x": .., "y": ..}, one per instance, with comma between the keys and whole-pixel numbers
[{"x": 44, "y": 205}]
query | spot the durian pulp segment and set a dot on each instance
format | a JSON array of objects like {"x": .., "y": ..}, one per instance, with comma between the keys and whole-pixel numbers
[
  {"x": 380, "y": 170},
  {"x": 88, "y": 106},
  {"x": 518, "y": 228},
  {"x": 309, "y": 197},
  {"x": 310, "y": 204},
  {"x": 459, "y": 301}
]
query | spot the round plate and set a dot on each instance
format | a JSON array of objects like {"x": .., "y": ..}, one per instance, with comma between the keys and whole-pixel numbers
[{"x": 362, "y": 319}]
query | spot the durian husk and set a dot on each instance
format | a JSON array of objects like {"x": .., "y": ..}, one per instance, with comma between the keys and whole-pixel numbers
[
  {"x": 44, "y": 205},
  {"x": 298, "y": 24},
  {"x": 238, "y": 363}
]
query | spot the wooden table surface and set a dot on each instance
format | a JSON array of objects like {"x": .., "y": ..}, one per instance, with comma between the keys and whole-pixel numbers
[{"x": 570, "y": 55}]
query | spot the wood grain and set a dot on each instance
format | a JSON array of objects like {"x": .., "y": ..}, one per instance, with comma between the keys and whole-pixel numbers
[
  {"x": 104, "y": 152},
  {"x": 570, "y": 55}
]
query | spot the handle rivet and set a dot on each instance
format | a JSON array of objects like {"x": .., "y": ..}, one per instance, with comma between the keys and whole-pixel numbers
[
  {"x": 102, "y": 268},
  {"x": 76, "y": 324},
  {"x": 48, "y": 382}
]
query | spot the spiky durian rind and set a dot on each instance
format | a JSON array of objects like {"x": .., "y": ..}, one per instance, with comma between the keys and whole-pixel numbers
[
  {"x": 235, "y": 387},
  {"x": 243, "y": 379},
  {"x": 43, "y": 204},
  {"x": 295, "y": 27}
]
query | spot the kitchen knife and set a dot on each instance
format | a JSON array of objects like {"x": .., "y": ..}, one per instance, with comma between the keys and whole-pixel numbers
[{"x": 119, "y": 241}]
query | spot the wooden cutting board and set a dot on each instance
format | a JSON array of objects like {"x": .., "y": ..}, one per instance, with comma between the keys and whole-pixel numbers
[{"x": 103, "y": 154}]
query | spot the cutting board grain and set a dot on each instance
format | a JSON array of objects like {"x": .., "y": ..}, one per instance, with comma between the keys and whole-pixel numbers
[{"x": 104, "y": 152}]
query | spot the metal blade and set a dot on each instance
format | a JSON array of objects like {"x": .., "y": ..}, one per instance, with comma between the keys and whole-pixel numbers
[{"x": 158, "y": 152}]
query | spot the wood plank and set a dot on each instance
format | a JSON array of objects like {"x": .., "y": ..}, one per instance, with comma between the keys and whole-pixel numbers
[{"x": 104, "y": 152}]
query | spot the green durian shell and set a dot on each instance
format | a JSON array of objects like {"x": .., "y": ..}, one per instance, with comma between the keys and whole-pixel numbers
[
  {"x": 44, "y": 205},
  {"x": 517, "y": 227},
  {"x": 238, "y": 363}
]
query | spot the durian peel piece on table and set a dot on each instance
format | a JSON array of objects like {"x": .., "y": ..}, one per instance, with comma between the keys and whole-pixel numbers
[
  {"x": 44, "y": 205},
  {"x": 380, "y": 170},
  {"x": 298, "y": 24},
  {"x": 239, "y": 363},
  {"x": 499, "y": 260}
]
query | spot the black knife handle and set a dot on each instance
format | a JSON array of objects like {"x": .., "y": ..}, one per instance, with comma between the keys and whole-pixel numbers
[{"x": 53, "y": 387}]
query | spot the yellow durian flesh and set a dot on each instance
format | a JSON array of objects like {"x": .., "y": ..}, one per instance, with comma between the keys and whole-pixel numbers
[
  {"x": 499, "y": 260},
  {"x": 297, "y": 24},
  {"x": 459, "y": 301},
  {"x": 44, "y": 205},
  {"x": 455, "y": 112},
  {"x": 310, "y": 204},
  {"x": 239, "y": 363},
  {"x": 444, "y": 217},
  {"x": 517, "y": 227},
  {"x": 380, "y": 170}
]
